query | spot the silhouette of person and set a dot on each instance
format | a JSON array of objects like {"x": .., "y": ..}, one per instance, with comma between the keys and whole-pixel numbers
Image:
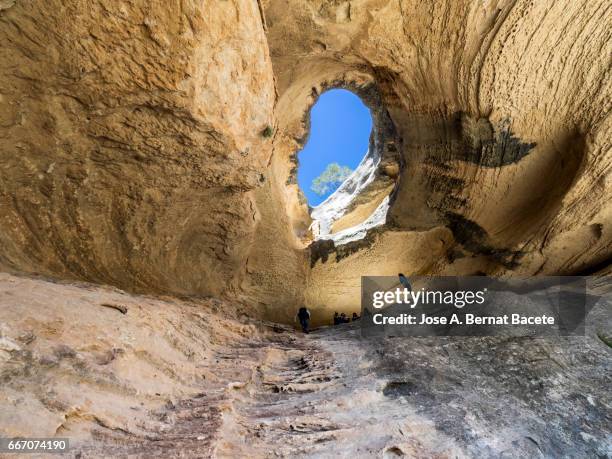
[
  {"x": 303, "y": 316},
  {"x": 355, "y": 317},
  {"x": 336, "y": 318},
  {"x": 405, "y": 282}
]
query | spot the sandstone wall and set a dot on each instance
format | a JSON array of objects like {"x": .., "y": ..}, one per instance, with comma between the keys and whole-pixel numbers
[
  {"x": 130, "y": 140},
  {"x": 504, "y": 120},
  {"x": 151, "y": 145}
]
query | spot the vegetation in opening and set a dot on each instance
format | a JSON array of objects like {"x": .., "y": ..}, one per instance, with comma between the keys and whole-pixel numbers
[
  {"x": 330, "y": 179},
  {"x": 340, "y": 126}
]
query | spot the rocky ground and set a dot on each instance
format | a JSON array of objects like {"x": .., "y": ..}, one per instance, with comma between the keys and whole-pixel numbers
[{"x": 172, "y": 378}]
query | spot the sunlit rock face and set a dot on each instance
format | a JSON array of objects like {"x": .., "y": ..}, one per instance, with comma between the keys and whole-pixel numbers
[
  {"x": 330, "y": 212},
  {"x": 153, "y": 147},
  {"x": 130, "y": 137},
  {"x": 499, "y": 110}
]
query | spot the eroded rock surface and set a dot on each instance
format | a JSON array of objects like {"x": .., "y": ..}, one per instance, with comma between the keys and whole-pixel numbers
[
  {"x": 499, "y": 108},
  {"x": 151, "y": 146},
  {"x": 131, "y": 140},
  {"x": 172, "y": 378}
]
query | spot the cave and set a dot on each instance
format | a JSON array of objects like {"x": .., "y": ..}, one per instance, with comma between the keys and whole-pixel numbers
[
  {"x": 345, "y": 131},
  {"x": 156, "y": 244}
]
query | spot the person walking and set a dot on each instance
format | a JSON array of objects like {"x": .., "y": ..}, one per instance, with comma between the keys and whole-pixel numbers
[
  {"x": 303, "y": 316},
  {"x": 336, "y": 318},
  {"x": 405, "y": 282}
]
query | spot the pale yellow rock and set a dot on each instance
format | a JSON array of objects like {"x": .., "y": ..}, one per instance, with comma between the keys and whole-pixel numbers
[{"x": 133, "y": 150}]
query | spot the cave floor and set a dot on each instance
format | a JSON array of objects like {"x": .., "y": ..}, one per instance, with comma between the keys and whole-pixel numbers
[
  {"x": 177, "y": 378},
  {"x": 332, "y": 394}
]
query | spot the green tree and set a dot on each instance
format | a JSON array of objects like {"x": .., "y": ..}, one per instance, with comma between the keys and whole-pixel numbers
[{"x": 333, "y": 175}]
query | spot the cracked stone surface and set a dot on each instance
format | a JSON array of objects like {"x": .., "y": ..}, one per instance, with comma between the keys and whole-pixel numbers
[{"x": 183, "y": 378}]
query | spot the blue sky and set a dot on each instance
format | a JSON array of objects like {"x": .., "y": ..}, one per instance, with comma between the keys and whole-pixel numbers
[{"x": 340, "y": 126}]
